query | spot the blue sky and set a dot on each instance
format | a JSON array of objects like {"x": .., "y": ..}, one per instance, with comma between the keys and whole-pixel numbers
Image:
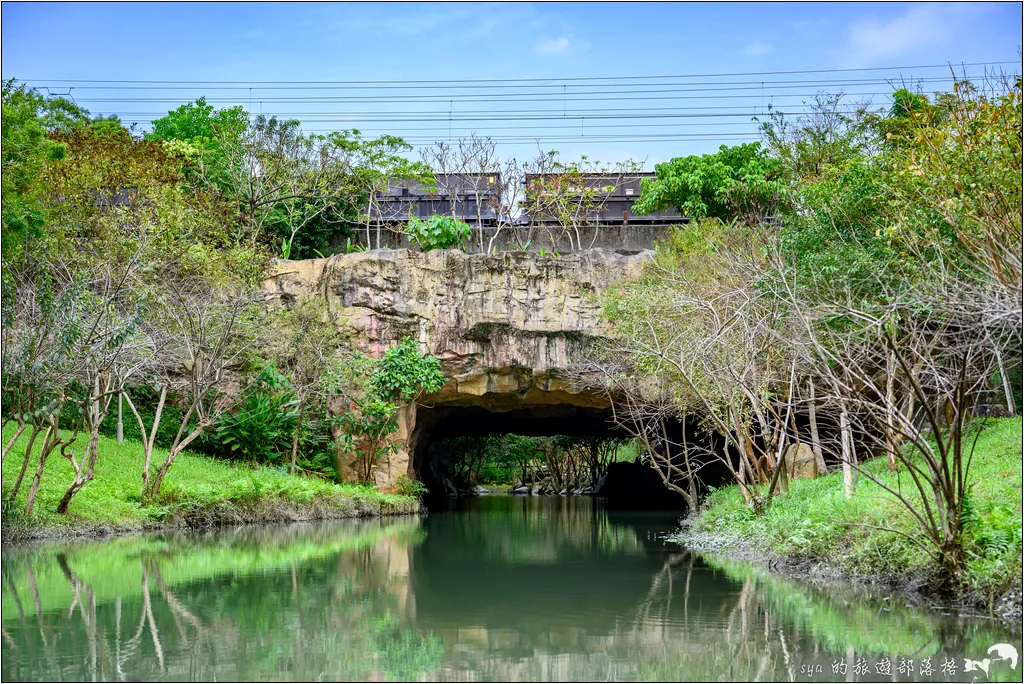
[{"x": 397, "y": 41}]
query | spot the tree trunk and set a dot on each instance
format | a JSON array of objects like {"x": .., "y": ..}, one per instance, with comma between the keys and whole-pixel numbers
[
  {"x": 120, "y": 419},
  {"x": 28, "y": 456},
  {"x": 369, "y": 209},
  {"x": 7, "y": 447},
  {"x": 891, "y": 440},
  {"x": 1007, "y": 390},
  {"x": 849, "y": 477},
  {"x": 53, "y": 437},
  {"x": 83, "y": 478},
  {"x": 147, "y": 443},
  {"x": 815, "y": 440},
  {"x": 295, "y": 439},
  {"x": 158, "y": 480}
]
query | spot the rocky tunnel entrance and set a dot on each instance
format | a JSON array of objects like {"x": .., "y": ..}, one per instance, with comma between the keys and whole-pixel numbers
[{"x": 625, "y": 480}]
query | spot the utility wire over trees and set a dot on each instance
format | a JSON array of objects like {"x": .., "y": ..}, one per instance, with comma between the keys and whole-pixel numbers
[{"x": 681, "y": 108}]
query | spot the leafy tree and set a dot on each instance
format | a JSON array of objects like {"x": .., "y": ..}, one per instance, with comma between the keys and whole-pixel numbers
[
  {"x": 736, "y": 182},
  {"x": 403, "y": 373},
  {"x": 29, "y": 120},
  {"x": 199, "y": 135},
  {"x": 825, "y": 137},
  {"x": 375, "y": 391}
]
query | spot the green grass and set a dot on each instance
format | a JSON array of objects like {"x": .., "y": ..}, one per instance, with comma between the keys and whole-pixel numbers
[
  {"x": 195, "y": 486},
  {"x": 814, "y": 520}
]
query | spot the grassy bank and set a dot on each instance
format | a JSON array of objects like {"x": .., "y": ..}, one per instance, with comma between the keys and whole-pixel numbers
[
  {"x": 814, "y": 527},
  {"x": 198, "y": 491}
]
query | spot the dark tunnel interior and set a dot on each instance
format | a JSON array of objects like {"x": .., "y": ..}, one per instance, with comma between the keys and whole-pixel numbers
[{"x": 628, "y": 486}]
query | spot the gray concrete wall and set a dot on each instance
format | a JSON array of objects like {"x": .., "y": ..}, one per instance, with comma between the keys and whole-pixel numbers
[{"x": 629, "y": 237}]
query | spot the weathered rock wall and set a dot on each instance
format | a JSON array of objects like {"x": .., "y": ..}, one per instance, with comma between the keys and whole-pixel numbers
[{"x": 504, "y": 325}]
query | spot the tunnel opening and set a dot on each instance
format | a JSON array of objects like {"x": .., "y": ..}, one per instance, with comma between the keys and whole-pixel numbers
[{"x": 626, "y": 480}]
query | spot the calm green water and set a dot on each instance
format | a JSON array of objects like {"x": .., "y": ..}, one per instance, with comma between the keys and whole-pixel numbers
[{"x": 502, "y": 589}]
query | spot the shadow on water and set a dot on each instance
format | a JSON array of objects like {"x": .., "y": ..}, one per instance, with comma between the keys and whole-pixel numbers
[{"x": 531, "y": 588}]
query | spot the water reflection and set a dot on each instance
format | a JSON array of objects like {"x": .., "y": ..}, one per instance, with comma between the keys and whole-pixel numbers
[{"x": 501, "y": 588}]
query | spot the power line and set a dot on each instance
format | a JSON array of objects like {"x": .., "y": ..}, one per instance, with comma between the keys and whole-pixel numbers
[
  {"x": 754, "y": 85},
  {"x": 536, "y": 109},
  {"x": 448, "y": 82},
  {"x": 344, "y": 100}
]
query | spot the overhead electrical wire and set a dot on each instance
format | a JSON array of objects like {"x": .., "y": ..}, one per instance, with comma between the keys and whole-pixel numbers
[
  {"x": 449, "y": 82},
  {"x": 733, "y": 101}
]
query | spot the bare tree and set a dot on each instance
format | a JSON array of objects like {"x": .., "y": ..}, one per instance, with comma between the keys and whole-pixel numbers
[
  {"x": 699, "y": 322},
  {"x": 208, "y": 331},
  {"x": 572, "y": 194},
  {"x": 907, "y": 373}
]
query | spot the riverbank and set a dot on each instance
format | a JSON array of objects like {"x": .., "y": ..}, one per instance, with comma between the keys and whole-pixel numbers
[
  {"x": 813, "y": 532},
  {"x": 199, "y": 492}
]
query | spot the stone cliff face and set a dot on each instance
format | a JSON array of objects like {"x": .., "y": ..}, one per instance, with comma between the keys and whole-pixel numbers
[{"x": 504, "y": 325}]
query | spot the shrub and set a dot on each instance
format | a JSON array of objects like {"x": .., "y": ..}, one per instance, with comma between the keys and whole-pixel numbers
[
  {"x": 406, "y": 486},
  {"x": 404, "y": 372},
  {"x": 263, "y": 425},
  {"x": 438, "y": 232}
]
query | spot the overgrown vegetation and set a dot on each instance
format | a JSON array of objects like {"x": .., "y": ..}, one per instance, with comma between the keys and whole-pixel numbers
[
  {"x": 557, "y": 463},
  {"x": 816, "y": 522},
  {"x": 852, "y": 290},
  {"x": 131, "y": 275}
]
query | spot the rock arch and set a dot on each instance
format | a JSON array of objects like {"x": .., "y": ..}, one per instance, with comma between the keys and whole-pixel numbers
[{"x": 505, "y": 326}]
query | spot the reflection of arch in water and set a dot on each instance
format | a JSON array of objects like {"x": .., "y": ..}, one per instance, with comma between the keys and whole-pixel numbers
[{"x": 504, "y": 552}]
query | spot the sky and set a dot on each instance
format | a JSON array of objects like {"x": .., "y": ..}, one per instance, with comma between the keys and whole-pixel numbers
[{"x": 643, "y": 81}]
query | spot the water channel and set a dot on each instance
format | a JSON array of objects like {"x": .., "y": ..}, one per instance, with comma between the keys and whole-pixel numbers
[{"x": 498, "y": 588}]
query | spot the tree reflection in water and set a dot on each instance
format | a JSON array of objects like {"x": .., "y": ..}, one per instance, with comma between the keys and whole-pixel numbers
[{"x": 509, "y": 589}]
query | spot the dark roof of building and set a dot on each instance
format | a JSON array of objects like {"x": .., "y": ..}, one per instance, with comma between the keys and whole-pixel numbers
[{"x": 446, "y": 185}]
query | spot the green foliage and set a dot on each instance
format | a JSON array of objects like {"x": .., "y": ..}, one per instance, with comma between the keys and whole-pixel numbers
[
  {"x": 374, "y": 390},
  {"x": 405, "y": 486},
  {"x": 366, "y": 430},
  {"x": 736, "y": 182},
  {"x": 261, "y": 427},
  {"x": 438, "y": 232},
  {"x": 198, "y": 136},
  {"x": 28, "y": 122},
  {"x": 404, "y": 372}
]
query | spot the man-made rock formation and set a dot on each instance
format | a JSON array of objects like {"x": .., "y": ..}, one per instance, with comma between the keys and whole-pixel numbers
[
  {"x": 504, "y": 325},
  {"x": 800, "y": 461}
]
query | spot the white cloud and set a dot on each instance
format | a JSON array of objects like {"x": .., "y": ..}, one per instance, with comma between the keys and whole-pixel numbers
[
  {"x": 554, "y": 46},
  {"x": 872, "y": 42},
  {"x": 757, "y": 49}
]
